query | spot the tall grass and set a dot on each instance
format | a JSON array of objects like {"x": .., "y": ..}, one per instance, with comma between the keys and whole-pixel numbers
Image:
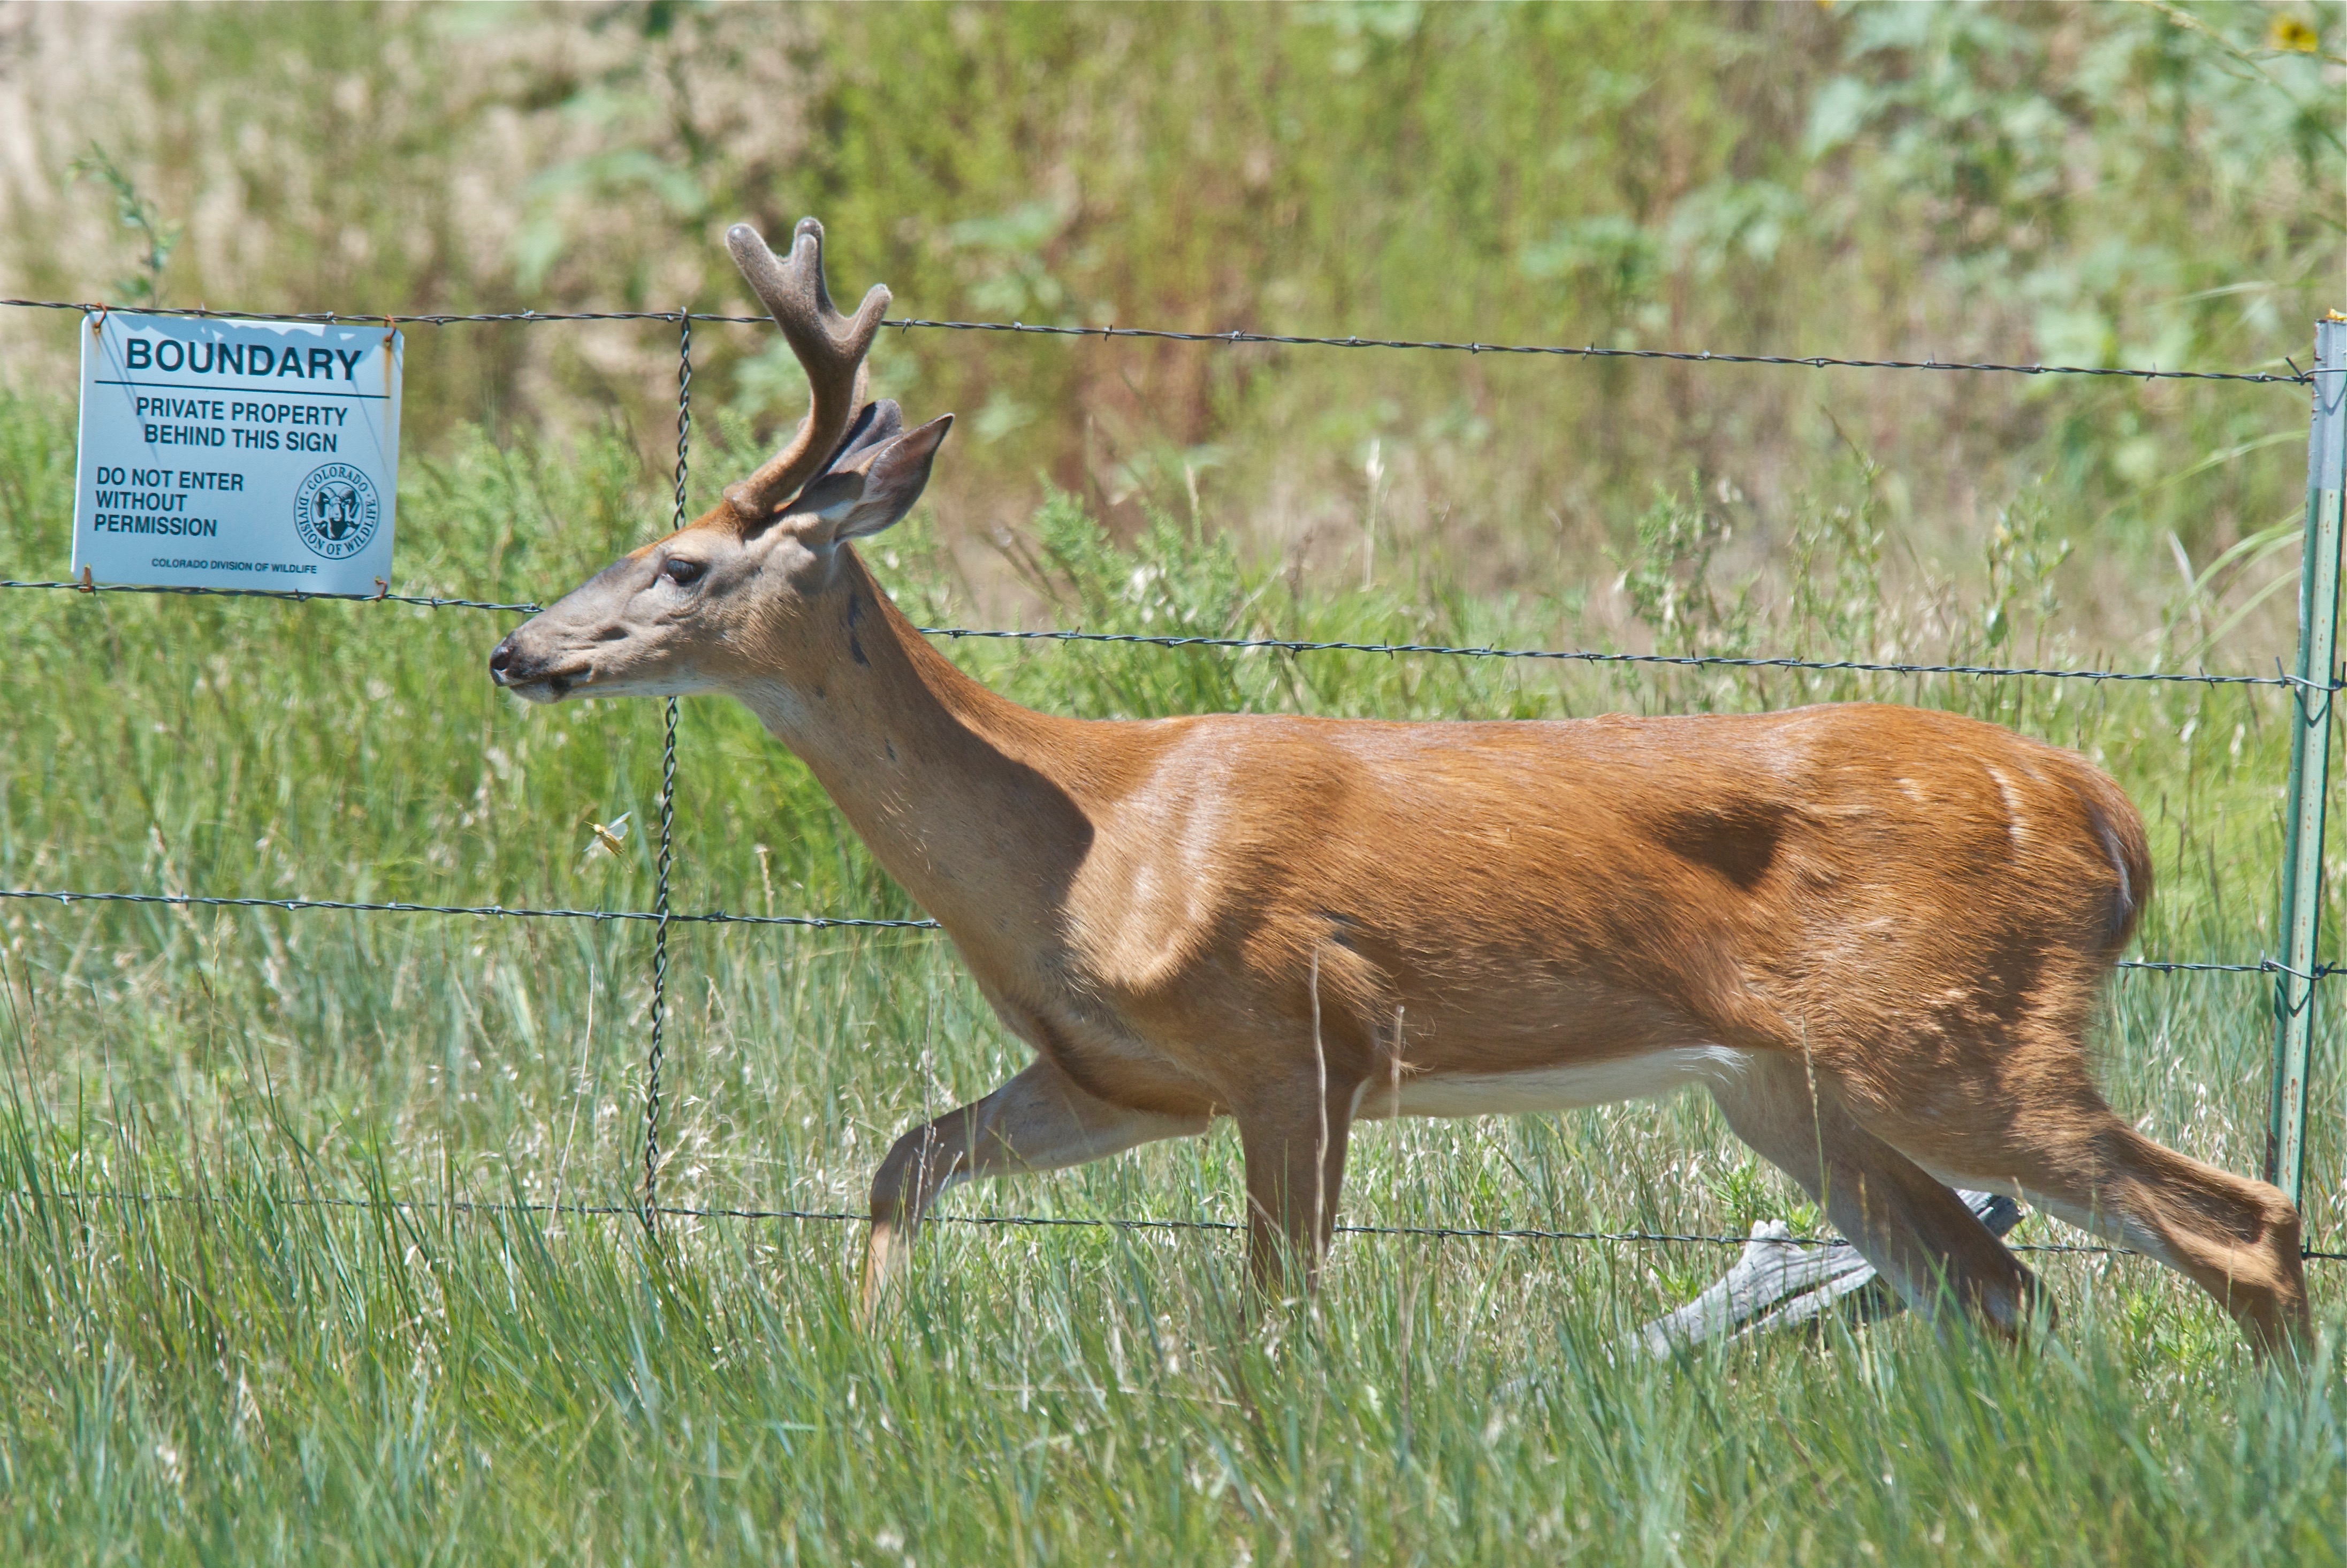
[
  {"x": 211, "y": 1356},
  {"x": 252, "y": 1376}
]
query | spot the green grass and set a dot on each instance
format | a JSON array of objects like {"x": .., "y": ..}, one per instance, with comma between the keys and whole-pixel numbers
[
  {"x": 250, "y": 1382},
  {"x": 259, "y": 1378},
  {"x": 256, "y": 1378}
]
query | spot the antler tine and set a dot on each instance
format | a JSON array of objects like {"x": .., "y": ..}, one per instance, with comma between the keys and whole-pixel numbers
[{"x": 830, "y": 348}]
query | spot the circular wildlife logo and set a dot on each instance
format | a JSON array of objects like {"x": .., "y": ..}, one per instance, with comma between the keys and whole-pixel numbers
[{"x": 335, "y": 511}]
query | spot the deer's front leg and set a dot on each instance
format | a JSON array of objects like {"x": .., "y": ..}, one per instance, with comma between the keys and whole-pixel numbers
[
  {"x": 1040, "y": 1121},
  {"x": 1294, "y": 1145}
]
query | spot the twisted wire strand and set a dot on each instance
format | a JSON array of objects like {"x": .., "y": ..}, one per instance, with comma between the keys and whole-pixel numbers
[
  {"x": 1590, "y": 656},
  {"x": 2263, "y": 966},
  {"x": 496, "y": 911},
  {"x": 656, "y": 1052},
  {"x": 1592, "y": 350},
  {"x": 1298, "y": 645},
  {"x": 493, "y": 1208},
  {"x": 299, "y": 596},
  {"x": 1233, "y": 338}
]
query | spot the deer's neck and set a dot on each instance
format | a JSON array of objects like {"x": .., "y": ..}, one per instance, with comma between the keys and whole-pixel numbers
[{"x": 976, "y": 805}]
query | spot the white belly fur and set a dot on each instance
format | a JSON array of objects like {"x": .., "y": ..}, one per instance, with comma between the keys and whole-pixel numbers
[{"x": 1555, "y": 1088}]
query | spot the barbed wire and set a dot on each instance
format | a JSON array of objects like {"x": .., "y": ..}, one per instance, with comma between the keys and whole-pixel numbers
[
  {"x": 496, "y": 911},
  {"x": 493, "y": 1208},
  {"x": 2263, "y": 966},
  {"x": 1235, "y": 337},
  {"x": 299, "y": 596},
  {"x": 1593, "y": 656},
  {"x": 1592, "y": 350},
  {"x": 1301, "y": 645}
]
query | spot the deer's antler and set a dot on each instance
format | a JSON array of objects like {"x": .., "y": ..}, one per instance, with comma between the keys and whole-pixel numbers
[{"x": 830, "y": 347}]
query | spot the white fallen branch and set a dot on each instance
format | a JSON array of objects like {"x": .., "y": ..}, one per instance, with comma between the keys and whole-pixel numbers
[{"x": 1779, "y": 1283}]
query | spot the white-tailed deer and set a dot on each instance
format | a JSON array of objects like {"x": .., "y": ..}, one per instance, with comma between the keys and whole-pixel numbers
[{"x": 1874, "y": 934}]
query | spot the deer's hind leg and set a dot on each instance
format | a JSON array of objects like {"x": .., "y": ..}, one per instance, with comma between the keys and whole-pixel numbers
[
  {"x": 1043, "y": 1120},
  {"x": 2040, "y": 1130},
  {"x": 1922, "y": 1238}
]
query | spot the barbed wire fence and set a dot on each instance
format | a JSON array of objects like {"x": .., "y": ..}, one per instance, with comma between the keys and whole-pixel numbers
[{"x": 2310, "y": 688}]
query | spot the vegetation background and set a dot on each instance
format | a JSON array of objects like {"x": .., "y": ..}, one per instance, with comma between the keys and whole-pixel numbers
[{"x": 254, "y": 1378}]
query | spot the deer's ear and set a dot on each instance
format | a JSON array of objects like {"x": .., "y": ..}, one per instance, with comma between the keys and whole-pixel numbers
[
  {"x": 833, "y": 496},
  {"x": 893, "y": 477}
]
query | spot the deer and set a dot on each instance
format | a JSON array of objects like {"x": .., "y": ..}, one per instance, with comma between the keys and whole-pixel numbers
[{"x": 1876, "y": 935}]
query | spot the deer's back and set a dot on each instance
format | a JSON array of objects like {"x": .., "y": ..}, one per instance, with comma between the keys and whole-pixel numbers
[{"x": 1608, "y": 884}]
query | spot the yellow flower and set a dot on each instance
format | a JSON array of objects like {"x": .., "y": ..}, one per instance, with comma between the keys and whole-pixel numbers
[{"x": 2290, "y": 33}]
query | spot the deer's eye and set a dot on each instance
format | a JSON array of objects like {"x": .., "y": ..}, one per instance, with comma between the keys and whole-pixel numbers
[{"x": 683, "y": 573}]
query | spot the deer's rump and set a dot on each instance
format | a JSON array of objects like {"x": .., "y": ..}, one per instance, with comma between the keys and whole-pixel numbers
[{"x": 1525, "y": 895}]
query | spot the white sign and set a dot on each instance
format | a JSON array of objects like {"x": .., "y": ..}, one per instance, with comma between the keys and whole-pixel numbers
[{"x": 222, "y": 454}]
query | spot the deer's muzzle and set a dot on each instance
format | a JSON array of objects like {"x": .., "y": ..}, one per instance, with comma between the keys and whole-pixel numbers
[{"x": 514, "y": 666}]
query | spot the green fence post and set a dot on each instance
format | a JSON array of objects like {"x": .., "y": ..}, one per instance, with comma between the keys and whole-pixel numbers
[{"x": 2310, "y": 762}]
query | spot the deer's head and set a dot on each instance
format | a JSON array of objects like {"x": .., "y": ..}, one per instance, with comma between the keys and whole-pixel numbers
[{"x": 705, "y": 607}]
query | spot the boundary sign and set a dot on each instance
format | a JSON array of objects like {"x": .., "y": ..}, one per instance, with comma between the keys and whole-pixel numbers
[{"x": 232, "y": 454}]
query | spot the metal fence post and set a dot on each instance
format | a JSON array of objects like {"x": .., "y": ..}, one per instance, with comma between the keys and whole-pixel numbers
[{"x": 2310, "y": 762}]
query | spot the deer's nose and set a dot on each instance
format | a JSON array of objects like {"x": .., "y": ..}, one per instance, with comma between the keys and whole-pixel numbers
[{"x": 501, "y": 661}]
